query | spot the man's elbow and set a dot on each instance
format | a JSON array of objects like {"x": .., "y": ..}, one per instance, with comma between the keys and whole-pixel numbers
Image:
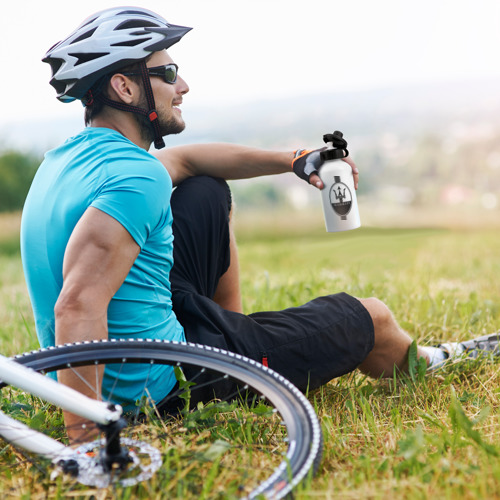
[
  {"x": 68, "y": 304},
  {"x": 78, "y": 317}
]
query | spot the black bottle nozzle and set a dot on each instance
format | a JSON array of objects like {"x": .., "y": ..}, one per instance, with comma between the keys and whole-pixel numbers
[
  {"x": 337, "y": 137},
  {"x": 337, "y": 146}
]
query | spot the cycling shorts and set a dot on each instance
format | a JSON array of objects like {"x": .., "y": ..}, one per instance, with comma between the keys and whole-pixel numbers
[{"x": 308, "y": 344}]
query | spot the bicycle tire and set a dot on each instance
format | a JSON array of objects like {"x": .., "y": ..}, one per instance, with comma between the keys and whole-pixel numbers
[{"x": 304, "y": 447}]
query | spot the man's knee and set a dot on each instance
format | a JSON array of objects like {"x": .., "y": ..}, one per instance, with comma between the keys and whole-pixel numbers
[
  {"x": 391, "y": 343},
  {"x": 202, "y": 191},
  {"x": 381, "y": 315}
]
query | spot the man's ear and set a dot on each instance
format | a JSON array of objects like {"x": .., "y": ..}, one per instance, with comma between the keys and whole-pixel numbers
[{"x": 122, "y": 88}]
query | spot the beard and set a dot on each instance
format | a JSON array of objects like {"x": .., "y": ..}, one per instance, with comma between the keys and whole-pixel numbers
[{"x": 168, "y": 126}]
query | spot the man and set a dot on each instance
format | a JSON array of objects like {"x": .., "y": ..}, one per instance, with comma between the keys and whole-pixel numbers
[{"x": 100, "y": 219}]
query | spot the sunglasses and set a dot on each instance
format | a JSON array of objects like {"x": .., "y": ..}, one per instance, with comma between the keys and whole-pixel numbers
[{"x": 167, "y": 72}]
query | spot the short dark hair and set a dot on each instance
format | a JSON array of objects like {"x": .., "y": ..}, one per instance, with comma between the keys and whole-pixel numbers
[{"x": 93, "y": 109}]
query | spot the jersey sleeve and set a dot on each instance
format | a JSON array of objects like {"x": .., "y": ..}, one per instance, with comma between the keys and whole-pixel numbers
[{"x": 137, "y": 195}]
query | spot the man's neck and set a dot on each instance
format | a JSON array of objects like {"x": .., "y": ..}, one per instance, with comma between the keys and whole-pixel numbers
[{"x": 124, "y": 124}]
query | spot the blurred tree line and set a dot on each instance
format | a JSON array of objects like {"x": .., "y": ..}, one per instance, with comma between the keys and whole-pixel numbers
[
  {"x": 433, "y": 165},
  {"x": 460, "y": 164},
  {"x": 16, "y": 173}
]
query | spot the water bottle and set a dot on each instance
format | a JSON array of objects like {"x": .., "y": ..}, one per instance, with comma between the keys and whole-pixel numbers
[{"x": 340, "y": 205}]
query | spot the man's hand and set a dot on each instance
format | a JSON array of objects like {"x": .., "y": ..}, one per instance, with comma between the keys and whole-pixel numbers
[{"x": 307, "y": 163}]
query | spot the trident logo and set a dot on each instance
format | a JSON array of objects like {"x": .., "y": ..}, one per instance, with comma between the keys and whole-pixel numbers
[
  {"x": 339, "y": 195},
  {"x": 340, "y": 198}
]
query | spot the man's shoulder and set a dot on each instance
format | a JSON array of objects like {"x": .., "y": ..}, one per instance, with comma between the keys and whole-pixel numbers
[
  {"x": 111, "y": 148},
  {"x": 112, "y": 143}
]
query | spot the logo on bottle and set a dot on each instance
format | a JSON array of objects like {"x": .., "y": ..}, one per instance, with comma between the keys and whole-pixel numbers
[{"x": 340, "y": 198}]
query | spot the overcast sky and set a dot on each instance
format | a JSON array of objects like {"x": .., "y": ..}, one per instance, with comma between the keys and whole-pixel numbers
[{"x": 263, "y": 49}]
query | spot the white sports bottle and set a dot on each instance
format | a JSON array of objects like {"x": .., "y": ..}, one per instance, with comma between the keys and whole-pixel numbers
[{"x": 340, "y": 205}]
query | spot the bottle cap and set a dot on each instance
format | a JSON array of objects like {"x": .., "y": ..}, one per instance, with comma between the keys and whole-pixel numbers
[{"x": 336, "y": 146}]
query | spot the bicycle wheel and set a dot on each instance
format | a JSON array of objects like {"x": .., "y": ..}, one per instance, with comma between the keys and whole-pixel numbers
[{"x": 261, "y": 438}]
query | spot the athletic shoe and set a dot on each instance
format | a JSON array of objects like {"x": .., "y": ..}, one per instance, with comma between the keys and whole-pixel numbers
[
  {"x": 483, "y": 346},
  {"x": 475, "y": 348}
]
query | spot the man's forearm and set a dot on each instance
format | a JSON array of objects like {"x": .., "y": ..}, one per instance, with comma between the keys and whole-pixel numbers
[
  {"x": 88, "y": 379},
  {"x": 228, "y": 161}
]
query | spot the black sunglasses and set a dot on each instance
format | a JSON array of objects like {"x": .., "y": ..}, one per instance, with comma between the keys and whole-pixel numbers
[{"x": 167, "y": 72}]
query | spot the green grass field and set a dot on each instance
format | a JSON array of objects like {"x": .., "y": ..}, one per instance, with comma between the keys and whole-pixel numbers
[{"x": 416, "y": 437}]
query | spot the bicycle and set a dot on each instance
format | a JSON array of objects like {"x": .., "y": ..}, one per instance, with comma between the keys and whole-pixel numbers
[{"x": 264, "y": 419}]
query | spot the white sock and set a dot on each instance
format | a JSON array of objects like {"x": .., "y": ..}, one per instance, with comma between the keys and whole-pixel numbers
[{"x": 438, "y": 355}]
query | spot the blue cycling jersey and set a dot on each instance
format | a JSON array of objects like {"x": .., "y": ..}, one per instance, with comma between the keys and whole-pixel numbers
[{"x": 101, "y": 168}]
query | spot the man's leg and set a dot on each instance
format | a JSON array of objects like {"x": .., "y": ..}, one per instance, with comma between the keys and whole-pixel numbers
[
  {"x": 391, "y": 343},
  {"x": 310, "y": 344},
  {"x": 228, "y": 293}
]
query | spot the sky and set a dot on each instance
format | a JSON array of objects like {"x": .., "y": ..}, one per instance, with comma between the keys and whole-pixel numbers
[{"x": 252, "y": 50}]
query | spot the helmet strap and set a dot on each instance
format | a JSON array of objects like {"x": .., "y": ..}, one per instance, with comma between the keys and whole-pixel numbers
[{"x": 150, "y": 112}]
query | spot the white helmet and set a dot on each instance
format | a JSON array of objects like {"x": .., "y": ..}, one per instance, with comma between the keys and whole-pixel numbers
[{"x": 108, "y": 40}]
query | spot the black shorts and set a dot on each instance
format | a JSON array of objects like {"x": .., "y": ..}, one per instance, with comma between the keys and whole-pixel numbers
[{"x": 309, "y": 344}]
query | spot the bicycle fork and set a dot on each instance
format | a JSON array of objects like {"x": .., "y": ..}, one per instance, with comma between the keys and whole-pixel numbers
[{"x": 113, "y": 453}]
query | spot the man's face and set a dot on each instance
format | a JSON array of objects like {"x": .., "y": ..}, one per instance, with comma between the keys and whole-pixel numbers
[{"x": 168, "y": 98}]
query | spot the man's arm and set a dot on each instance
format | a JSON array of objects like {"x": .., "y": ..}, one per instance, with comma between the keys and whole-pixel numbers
[
  {"x": 97, "y": 259},
  {"x": 228, "y": 161},
  {"x": 231, "y": 161}
]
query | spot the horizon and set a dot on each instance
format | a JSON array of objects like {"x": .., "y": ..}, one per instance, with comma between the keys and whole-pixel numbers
[{"x": 406, "y": 99}]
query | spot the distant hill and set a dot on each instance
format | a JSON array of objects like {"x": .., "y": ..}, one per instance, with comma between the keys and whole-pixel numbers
[{"x": 363, "y": 116}]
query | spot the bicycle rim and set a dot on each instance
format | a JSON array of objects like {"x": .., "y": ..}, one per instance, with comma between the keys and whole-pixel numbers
[{"x": 278, "y": 430}]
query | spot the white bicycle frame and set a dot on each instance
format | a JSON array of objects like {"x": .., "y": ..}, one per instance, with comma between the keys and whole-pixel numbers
[{"x": 58, "y": 394}]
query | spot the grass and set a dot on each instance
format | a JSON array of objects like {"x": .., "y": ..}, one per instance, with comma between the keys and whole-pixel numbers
[{"x": 412, "y": 437}]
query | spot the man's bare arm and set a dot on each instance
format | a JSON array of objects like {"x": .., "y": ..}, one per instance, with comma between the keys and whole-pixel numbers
[
  {"x": 98, "y": 257},
  {"x": 231, "y": 161},
  {"x": 228, "y": 161}
]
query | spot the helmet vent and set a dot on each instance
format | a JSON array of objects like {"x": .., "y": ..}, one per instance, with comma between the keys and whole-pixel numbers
[
  {"x": 88, "y": 34},
  {"x": 88, "y": 22},
  {"x": 136, "y": 24},
  {"x": 83, "y": 58},
  {"x": 61, "y": 85},
  {"x": 137, "y": 13},
  {"x": 55, "y": 64},
  {"x": 130, "y": 43}
]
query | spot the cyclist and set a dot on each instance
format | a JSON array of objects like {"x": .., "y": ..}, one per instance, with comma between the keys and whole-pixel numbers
[{"x": 111, "y": 250}]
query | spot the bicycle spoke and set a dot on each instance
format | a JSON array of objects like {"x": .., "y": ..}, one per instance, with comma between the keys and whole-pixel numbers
[{"x": 94, "y": 388}]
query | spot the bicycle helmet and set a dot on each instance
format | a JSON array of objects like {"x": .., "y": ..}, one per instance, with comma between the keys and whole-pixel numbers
[{"x": 104, "y": 42}]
